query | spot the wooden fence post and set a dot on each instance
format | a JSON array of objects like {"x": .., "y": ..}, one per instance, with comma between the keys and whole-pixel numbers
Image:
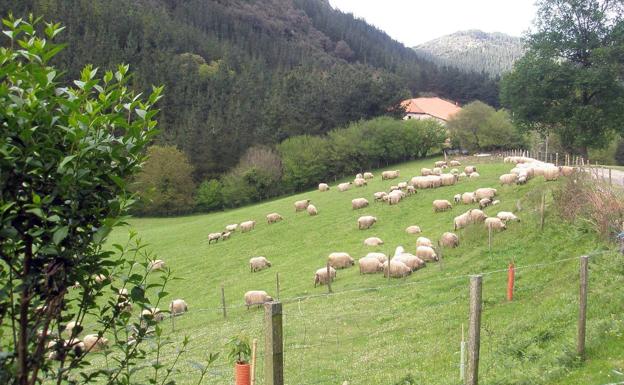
[
  {"x": 490, "y": 239},
  {"x": 277, "y": 285},
  {"x": 610, "y": 180},
  {"x": 582, "y": 319},
  {"x": 557, "y": 159},
  {"x": 542, "y": 207},
  {"x": 329, "y": 278},
  {"x": 223, "y": 301},
  {"x": 273, "y": 345},
  {"x": 474, "y": 330},
  {"x": 254, "y": 348}
]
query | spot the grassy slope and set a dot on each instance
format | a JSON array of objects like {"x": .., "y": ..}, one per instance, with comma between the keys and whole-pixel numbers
[{"x": 404, "y": 326}]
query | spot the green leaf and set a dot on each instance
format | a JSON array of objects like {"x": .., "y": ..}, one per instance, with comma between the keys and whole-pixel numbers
[
  {"x": 140, "y": 112},
  {"x": 101, "y": 234},
  {"x": 65, "y": 160},
  {"x": 60, "y": 234}
]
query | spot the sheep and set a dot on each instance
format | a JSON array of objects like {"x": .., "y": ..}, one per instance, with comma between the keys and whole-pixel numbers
[
  {"x": 410, "y": 190},
  {"x": 425, "y": 171},
  {"x": 462, "y": 175},
  {"x": 413, "y": 229},
  {"x": 301, "y": 205},
  {"x": 256, "y": 297},
  {"x": 402, "y": 185},
  {"x": 359, "y": 203},
  {"x": 368, "y": 175},
  {"x": 214, "y": 237},
  {"x": 410, "y": 260},
  {"x": 495, "y": 224},
  {"x": 508, "y": 179},
  {"x": 440, "y": 163},
  {"x": 441, "y": 205},
  {"x": 457, "y": 198},
  {"x": 435, "y": 180},
  {"x": 485, "y": 202},
  {"x": 395, "y": 197},
  {"x": 449, "y": 240},
  {"x": 360, "y": 182},
  {"x": 258, "y": 263},
  {"x": 474, "y": 175},
  {"x": 157, "y": 264},
  {"x": 397, "y": 269},
  {"x": 359, "y": 176},
  {"x": 312, "y": 210},
  {"x": 274, "y": 217},
  {"x": 247, "y": 226},
  {"x": 178, "y": 306},
  {"x": 394, "y": 188},
  {"x": 370, "y": 265},
  {"x": 566, "y": 170},
  {"x": 231, "y": 228},
  {"x": 71, "y": 325},
  {"x": 461, "y": 221},
  {"x": 381, "y": 257},
  {"x": 323, "y": 187},
  {"x": 426, "y": 253},
  {"x": 75, "y": 345},
  {"x": 153, "y": 314},
  {"x": 486, "y": 192},
  {"x": 321, "y": 278},
  {"x": 455, "y": 163},
  {"x": 551, "y": 173},
  {"x": 94, "y": 343},
  {"x": 366, "y": 221},
  {"x": 225, "y": 235},
  {"x": 455, "y": 172},
  {"x": 390, "y": 174},
  {"x": 468, "y": 198},
  {"x": 340, "y": 260},
  {"x": 423, "y": 241},
  {"x": 448, "y": 179},
  {"x": 342, "y": 187},
  {"x": 476, "y": 215},
  {"x": 470, "y": 169},
  {"x": 522, "y": 179},
  {"x": 507, "y": 216},
  {"x": 373, "y": 241},
  {"x": 495, "y": 202},
  {"x": 379, "y": 195},
  {"x": 436, "y": 171}
]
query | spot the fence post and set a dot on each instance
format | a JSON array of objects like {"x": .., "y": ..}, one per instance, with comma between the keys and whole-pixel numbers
[
  {"x": 580, "y": 349},
  {"x": 223, "y": 301},
  {"x": 329, "y": 278},
  {"x": 557, "y": 159},
  {"x": 542, "y": 211},
  {"x": 474, "y": 330},
  {"x": 511, "y": 277},
  {"x": 273, "y": 345},
  {"x": 490, "y": 239},
  {"x": 610, "y": 180},
  {"x": 277, "y": 284}
]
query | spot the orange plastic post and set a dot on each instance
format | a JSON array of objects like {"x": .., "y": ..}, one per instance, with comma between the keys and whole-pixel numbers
[{"x": 511, "y": 274}]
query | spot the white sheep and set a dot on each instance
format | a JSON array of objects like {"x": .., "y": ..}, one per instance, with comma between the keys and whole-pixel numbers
[
  {"x": 370, "y": 265},
  {"x": 397, "y": 269},
  {"x": 381, "y": 257},
  {"x": 390, "y": 174},
  {"x": 551, "y": 173},
  {"x": 359, "y": 176},
  {"x": 256, "y": 297},
  {"x": 426, "y": 253},
  {"x": 231, "y": 228},
  {"x": 468, "y": 198},
  {"x": 153, "y": 313},
  {"x": 373, "y": 241},
  {"x": 323, "y": 187},
  {"x": 344, "y": 186},
  {"x": 368, "y": 175},
  {"x": 470, "y": 169},
  {"x": 410, "y": 190},
  {"x": 566, "y": 170},
  {"x": 379, "y": 195},
  {"x": 413, "y": 229},
  {"x": 360, "y": 182},
  {"x": 359, "y": 203},
  {"x": 178, "y": 306},
  {"x": 476, "y": 215},
  {"x": 410, "y": 260},
  {"x": 455, "y": 163},
  {"x": 440, "y": 163},
  {"x": 321, "y": 278},
  {"x": 425, "y": 171},
  {"x": 474, "y": 175},
  {"x": 366, "y": 221},
  {"x": 485, "y": 202},
  {"x": 94, "y": 343},
  {"x": 312, "y": 210},
  {"x": 247, "y": 226},
  {"x": 226, "y": 235},
  {"x": 485, "y": 192},
  {"x": 441, "y": 205},
  {"x": 448, "y": 179},
  {"x": 461, "y": 221},
  {"x": 436, "y": 171},
  {"x": 449, "y": 240},
  {"x": 507, "y": 216},
  {"x": 214, "y": 237},
  {"x": 423, "y": 241},
  {"x": 495, "y": 223},
  {"x": 402, "y": 185},
  {"x": 258, "y": 263},
  {"x": 340, "y": 260},
  {"x": 301, "y": 205},
  {"x": 395, "y": 197},
  {"x": 508, "y": 179},
  {"x": 457, "y": 198},
  {"x": 274, "y": 217}
]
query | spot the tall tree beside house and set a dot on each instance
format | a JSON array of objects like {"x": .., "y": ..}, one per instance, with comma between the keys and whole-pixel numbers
[{"x": 570, "y": 80}]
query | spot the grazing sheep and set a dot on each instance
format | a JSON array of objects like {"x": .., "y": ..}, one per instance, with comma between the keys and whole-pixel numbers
[
  {"x": 366, "y": 221},
  {"x": 94, "y": 343},
  {"x": 507, "y": 216},
  {"x": 495, "y": 202},
  {"x": 370, "y": 265},
  {"x": 214, "y": 237},
  {"x": 455, "y": 172},
  {"x": 449, "y": 240},
  {"x": 551, "y": 173},
  {"x": 394, "y": 188},
  {"x": 247, "y": 226},
  {"x": 157, "y": 264},
  {"x": 440, "y": 163},
  {"x": 566, "y": 170},
  {"x": 178, "y": 306},
  {"x": 476, "y": 215},
  {"x": 312, "y": 210},
  {"x": 474, "y": 175},
  {"x": 379, "y": 195},
  {"x": 413, "y": 229},
  {"x": 153, "y": 313},
  {"x": 436, "y": 171},
  {"x": 410, "y": 190},
  {"x": 423, "y": 241},
  {"x": 402, "y": 185},
  {"x": 390, "y": 174},
  {"x": 486, "y": 192},
  {"x": 410, "y": 260},
  {"x": 226, "y": 235},
  {"x": 359, "y": 203},
  {"x": 441, "y": 205},
  {"x": 462, "y": 175},
  {"x": 397, "y": 269},
  {"x": 274, "y": 217},
  {"x": 485, "y": 202},
  {"x": 522, "y": 179},
  {"x": 340, "y": 260},
  {"x": 321, "y": 278},
  {"x": 344, "y": 186},
  {"x": 457, "y": 198},
  {"x": 468, "y": 198},
  {"x": 368, "y": 175},
  {"x": 323, "y": 187},
  {"x": 258, "y": 263},
  {"x": 470, "y": 169},
  {"x": 455, "y": 163},
  {"x": 508, "y": 179},
  {"x": 495, "y": 224},
  {"x": 381, "y": 257},
  {"x": 448, "y": 179},
  {"x": 301, "y": 205},
  {"x": 461, "y": 221},
  {"x": 256, "y": 297},
  {"x": 373, "y": 241},
  {"x": 425, "y": 171},
  {"x": 360, "y": 182},
  {"x": 426, "y": 253},
  {"x": 71, "y": 325},
  {"x": 359, "y": 176},
  {"x": 231, "y": 228},
  {"x": 395, "y": 197}
]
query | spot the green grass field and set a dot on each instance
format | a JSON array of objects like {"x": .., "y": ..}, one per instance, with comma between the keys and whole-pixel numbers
[{"x": 376, "y": 331}]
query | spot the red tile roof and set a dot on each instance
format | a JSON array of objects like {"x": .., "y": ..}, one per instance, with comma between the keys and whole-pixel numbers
[{"x": 436, "y": 107}]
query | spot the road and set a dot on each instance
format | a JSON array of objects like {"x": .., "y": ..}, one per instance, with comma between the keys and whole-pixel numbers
[{"x": 617, "y": 176}]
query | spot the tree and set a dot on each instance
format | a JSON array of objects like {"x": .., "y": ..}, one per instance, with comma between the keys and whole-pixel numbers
[
  {"x": 165, "y": 184},
  {"x": 570, "y": 80},
  {"x": 619, "y": 153},
  {"x": 210, "y": 195}
]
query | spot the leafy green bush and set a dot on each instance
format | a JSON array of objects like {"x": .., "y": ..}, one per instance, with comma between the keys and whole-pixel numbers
[{"x": 210, "y": 195}]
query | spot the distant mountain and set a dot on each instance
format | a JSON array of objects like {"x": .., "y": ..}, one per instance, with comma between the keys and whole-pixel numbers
[{"x": 474, "y": 50}]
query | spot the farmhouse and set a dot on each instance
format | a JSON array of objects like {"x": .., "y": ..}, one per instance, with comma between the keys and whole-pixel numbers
[{"x": 429, "y": 108}]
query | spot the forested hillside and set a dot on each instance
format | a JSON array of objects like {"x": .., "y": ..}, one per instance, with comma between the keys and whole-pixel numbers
[
  {"x": 243, "y": 72},
  {"x": 493, "y": 53}
]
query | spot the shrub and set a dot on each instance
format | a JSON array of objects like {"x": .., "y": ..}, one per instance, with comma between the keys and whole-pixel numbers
[
  {"x": 619, "y": 153},
  {"x": 210, "y": 196},
  {"x": 305, "y": 161}
]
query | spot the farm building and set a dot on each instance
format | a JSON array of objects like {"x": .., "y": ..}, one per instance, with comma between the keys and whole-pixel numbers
[{"x": 429, "y": 108}]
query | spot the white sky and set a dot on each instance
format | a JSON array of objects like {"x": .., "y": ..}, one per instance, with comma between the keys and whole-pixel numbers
[{"x": 416, "y": 21}]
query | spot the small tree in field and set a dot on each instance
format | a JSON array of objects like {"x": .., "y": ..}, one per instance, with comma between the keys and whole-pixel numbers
[{"x": 65, "y": 154}]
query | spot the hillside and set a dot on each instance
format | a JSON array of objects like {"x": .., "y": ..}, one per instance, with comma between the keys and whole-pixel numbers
[
  {"x": 244, "y": 72},
  {"x": 474, "y": 50},
  {"x": 374, "y": 331}
]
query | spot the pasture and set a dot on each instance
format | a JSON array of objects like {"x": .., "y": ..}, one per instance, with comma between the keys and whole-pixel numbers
[{"x": 376, "y": 331}]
